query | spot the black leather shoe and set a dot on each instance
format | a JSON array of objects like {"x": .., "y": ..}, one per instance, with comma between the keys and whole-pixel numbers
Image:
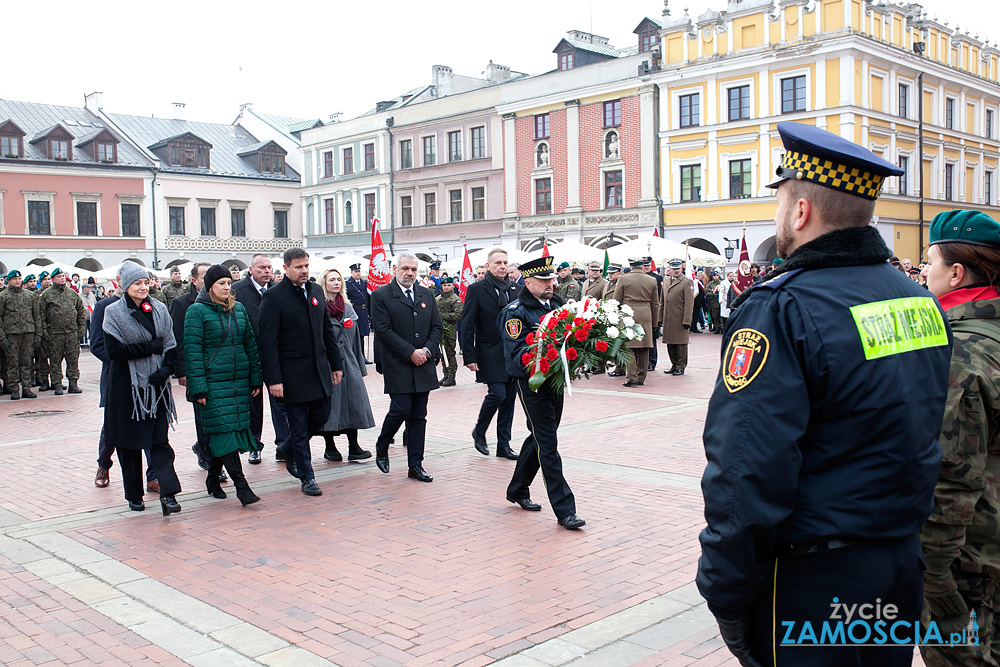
[
  {"x": 290, "y": 467},
  {"x": 311, "y": 488},
  {"x": 631, "y": 384},
  {"x": 418, "y": 473},
  {"x": 57, "y": 392},
  {"x": 254, "y": 457},
  {"x": 448, "y": 382},
  {"x": 202, "y": 462},
  {"x": 650, "y": 368},
  {"x": 169, "y": 505},
  {"x": 669, "y": 371},
  {"x": 136, "y": 507},
  {"x": 525, "y": 504},
  {"x": 616, "y": 374},
  {"x": 359, "y": 455},
  {"x": 677, "y": 372},
  {"x": 572, "y": 522},
  {"x": 506, "y": 453},
  {"x": 480, "y": 443},
  {"x": 382, "y": 457},
  {"x": 333, "y": 455},
  {"x": 44, "y": 387},
  {"x": 27, "y": 393},
  {"x": 279, "y": 454}
]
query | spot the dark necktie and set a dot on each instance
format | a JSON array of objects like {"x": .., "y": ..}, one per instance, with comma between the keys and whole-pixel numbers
[{"x": 409, "y": 297}]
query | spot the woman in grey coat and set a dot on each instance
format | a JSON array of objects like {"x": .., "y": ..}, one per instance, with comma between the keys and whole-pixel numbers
[{"x": 350, "y": 408}]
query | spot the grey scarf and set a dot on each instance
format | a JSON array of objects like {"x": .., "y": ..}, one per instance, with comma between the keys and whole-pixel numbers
[{"x": 119, "y": 323}]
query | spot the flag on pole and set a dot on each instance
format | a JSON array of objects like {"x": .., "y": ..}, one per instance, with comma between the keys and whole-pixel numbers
[
  {"x": 379, "y": 267},
  {"x": 545, "y": 247},
  {"x": 467, "y": 276},
  {"x": 692, "y": 276},
  {"x": 656, "y": 231},
  {"x": 607, "y": 263},
  {"x": 743, "y": 277}
]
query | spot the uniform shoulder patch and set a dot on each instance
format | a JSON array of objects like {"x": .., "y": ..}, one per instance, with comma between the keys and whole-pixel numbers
[
  {"x": 745, "y": 356},
  {"x": 513, "y": 327},
  {"x": 780, "y": 279}
]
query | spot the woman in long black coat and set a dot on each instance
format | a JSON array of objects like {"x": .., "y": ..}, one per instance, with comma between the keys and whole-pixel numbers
[{"x": 139, "y": 336}]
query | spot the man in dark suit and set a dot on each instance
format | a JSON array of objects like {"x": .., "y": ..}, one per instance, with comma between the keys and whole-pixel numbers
[
  {"x": 483, "y": 352},
  {"x": 249, "y": 292},
  {"x": 357, "y": 294},
  {"x": 408, "y": 332},
  {"x": 178, "y": 309},
  {"x": 300, "y": 358}
]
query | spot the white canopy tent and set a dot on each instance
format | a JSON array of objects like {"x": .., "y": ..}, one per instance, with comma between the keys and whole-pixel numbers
[
  {"x": 662, "y": 250},
  {"x": 35, "y": 269},
  {"x": 573, "y": 252},
  {"x": 453, "y": 266}
]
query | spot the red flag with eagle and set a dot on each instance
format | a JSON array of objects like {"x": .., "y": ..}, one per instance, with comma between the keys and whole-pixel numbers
[
  {"x": 743, "y": 277},
  {"x": 379, "y": 267},
  {"x": 467, "y": 276},
  {"x": 545, "y": 247}
]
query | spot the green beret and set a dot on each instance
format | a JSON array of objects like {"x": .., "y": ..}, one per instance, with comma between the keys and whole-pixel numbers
[
  {"x": 30, "y": 276},
  {"x": 56, "y": 272},
  {"x": 962, "y": 226},
  {"x": 14, "y": 273},
  {"x": 447, "y": 281},
  {"x": 777, "y": 261},
  {"x": 563, "y": 265},
  {"x": 43, "y": 275}
]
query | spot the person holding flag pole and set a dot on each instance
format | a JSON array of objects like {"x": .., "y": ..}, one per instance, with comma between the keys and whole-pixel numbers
[{"x": 743, "y": 278}]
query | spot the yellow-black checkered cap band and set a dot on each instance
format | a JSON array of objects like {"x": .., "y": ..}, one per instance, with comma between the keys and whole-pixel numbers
[
  {"x": 853, "y": 180},
  {"x": 538, "y": 268}
]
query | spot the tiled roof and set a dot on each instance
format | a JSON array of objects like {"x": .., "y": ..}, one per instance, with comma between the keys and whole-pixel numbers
[
  {"x": 39, "y": 119},
  {"x": 228, "y": 141}
]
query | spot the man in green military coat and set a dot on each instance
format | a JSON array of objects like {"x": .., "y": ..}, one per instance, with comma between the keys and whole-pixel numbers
[
  {"x": 20, "y": 331},
  {"x": 176, "y": 287},
  {"x": 63, "y": 322},
  {"x": 450, "y": 307}
]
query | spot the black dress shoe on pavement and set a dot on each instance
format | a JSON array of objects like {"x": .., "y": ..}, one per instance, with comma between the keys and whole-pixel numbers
[
  {"x": 572, "y": 522},
  {"x": 480, "y": 442},
  {"x": 448, "y": 382},
  {"x": 677, "y": 372},
  {"x": 631, "y": 384},
  {"x": 254, "y": 457},
  {"x": 311, "y": 488},
  {"x": 506, "y": 453},
  {"x": 27, "y": 393},
  {"x": 169, "y": 505},
  {"x": 290, "y": 467},
  {"x": 136, "y": 507},
  {"x": 650, "y": 368},
  {"x": 358, "y": 455},
  {"x": 525, "y": 504},
  {"x": 333, "y": 455},
  {"x": 382, "y": 458},
  {"x": 616, "y": 374},
  {"x": 279, "y": 454},
  {"x": 669, "y": 371},
  {"x": 419, "y": 474}
]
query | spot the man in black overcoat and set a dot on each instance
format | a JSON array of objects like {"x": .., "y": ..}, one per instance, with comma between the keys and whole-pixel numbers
[
  {"x": 357, "y": 294},
  {"x": 482, "y": 350},
  {"x": 300, "y": 359},
  {"x": 249, "y": 292},
  {"x": 408, "y": 334}
]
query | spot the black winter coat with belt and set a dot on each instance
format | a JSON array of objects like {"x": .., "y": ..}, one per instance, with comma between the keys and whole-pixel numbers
[
  {"x": 481, "y": 341},
  {"x": 400, "y": 329},
  {"x": 297, "y": 343}
]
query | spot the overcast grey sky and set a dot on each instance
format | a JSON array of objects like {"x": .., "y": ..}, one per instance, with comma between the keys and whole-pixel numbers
[{"x": 305, "y": 57}]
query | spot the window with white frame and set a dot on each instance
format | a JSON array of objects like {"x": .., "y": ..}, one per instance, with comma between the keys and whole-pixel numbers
[
  {"x": 903, "y": 104},
  {"x": 38, "y": 212},
  {"x": 949, "y": 112},
  {"x": 949, "y": 182},
  {"x": 989, "y": 123},
  {"x": 988, "y": 188},
  {"x": 690, "y": 182},
  {"x": 904, "y": 185},
  {"x": 739, "y": 102},
  {"x": 543, "y": 196},
  {"x": 87, "y": 213}
]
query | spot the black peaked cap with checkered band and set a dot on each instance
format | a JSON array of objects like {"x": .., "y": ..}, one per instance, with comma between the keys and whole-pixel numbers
[{"x": 815, "y": 155}]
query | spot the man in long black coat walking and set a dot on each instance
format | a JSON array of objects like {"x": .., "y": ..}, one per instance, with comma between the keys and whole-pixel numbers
[
  {"x": 408, "y": 331},
  {"x": 483, "y": 352},
  {"x": 300, "y": 358}
]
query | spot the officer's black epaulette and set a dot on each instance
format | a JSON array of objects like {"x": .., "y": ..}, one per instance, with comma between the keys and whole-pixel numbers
[
  {"x": 779, "y": 280},
  {"x": 513, "y": 304}
]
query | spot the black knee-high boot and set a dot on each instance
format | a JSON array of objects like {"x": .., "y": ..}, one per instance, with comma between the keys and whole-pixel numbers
[
  {"x": 355, "y": 452},
  {"x": 212, "y": 481},
  {"x": 331, "y": 453},
  {"x": 235, "y": 468}
]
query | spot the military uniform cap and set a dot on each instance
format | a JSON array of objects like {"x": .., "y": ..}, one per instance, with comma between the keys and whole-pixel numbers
[
  {"x": 638, "y": 261},
  {"x": 675, "y": 263},
  {"x": 815, "y": 155},
  {"x": 13, "y": 273},
  {"x": 435, "y": 265},
  {"x": 962, "y": 226},
  {"x": 56, "y": 272},
  {"x": 43, "y": 275},
  {"x": 614, "y": 268},
  {"x": 563, "y": 265},
  {"x": 355, "y": 267},
  {"x": 538, "y": 268},
  {"x": 647, "y": 260},
  {"x": 30, "y": 276},
  {"x": 594, "y": 266}
]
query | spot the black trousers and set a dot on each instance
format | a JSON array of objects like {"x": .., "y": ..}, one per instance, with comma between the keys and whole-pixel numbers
[
  {"x": 105, "y": 450},
  {"x": 802, "y": 588},
  {"x": 161, "y": 459},
  {"x": 499, "y": 401},
  {"x": 544, "y": 412},
  {"x": 304, "y": 421},
  {"x": 653, "y": 354},
  {"x": 257, "y": 416},
  {"x": 279, "y": 420},
  {"x": 411, "y": 409}
]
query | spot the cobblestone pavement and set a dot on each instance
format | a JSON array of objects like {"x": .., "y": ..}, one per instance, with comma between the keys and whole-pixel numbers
[{"x": 380, "y": 570}]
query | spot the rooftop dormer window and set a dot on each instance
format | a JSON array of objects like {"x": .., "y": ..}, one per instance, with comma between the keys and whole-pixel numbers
[
  {"x": 270, "y": 163},
  {"x": 566, "y": 60},
  {"x": 268, "y": 157},
  {"x": 59, "y": 149},
  {"x": 185, "y": 150},
  {"x": 11, "y": 140},
  {"x": 102, "y": 146}
]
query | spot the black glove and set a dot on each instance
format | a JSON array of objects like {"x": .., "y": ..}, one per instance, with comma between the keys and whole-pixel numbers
[
  {"x": 657, "y": 332},
  {"x": 686, "y": 326},
  {"x": 736, "y": 634},
  {"x": 156, "y": 346},
  {"x": 159, "y": 377}
]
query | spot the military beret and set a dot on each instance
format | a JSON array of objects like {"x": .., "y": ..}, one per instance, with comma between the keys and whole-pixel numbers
[
  {"x": 563, "y": 265},
  {"x": 815, "y": 155},
  {"x": 447, "y": 280},
  {"x": 55, "y": 272},
  {"x": 776, "y": 261},
  {"x": 963, "y": 226},
  {"x": 13, "y": 273},
  {"x": 43, "y": 275},
  {"x": 30, "y": 276}
]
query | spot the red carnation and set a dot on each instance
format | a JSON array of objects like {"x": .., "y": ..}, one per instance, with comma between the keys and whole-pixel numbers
[
  {"x": 530, "y": 339},
  {"x": 591, "y": 322},
  {"x": 551, "y": 354},
  {"x": 571, "y": 353},
  {"x": 601, "y": 345},
  {"x": 578, "y": 321},
  {"x": 544, "y": 366},
  {"x": 564, "y": 314},
  {"x": 581, "y": 335},
  {"x": 526, "y": 358},
  {"x": 348, "y": 323}
]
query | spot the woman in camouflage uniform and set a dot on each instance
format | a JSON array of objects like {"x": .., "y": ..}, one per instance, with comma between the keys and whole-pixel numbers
[{"x": 962, "y": 537}]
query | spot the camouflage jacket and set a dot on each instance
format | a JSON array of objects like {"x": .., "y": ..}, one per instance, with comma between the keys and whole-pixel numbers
[
  {"x": 173, "y": 290},
  {"x": 569, "y": 289},
  {"x": 62, "y": 311},
  {"x": 963, "y": 530},
  {"x": 157, "y": 294},
  {"x": 450, "y": 307},
  {"x": 19, "y": 312},
  {"x": 712, "y": 292}
]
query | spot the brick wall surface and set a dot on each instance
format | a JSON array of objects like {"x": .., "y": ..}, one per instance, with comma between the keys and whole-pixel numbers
[{"x": 592, "y": 133}]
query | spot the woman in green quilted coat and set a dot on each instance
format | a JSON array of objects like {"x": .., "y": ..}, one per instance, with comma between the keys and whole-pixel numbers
[{"x": 223, "y": 372}]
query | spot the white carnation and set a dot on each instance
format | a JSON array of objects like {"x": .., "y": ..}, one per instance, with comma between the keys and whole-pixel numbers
[
  {"x": 631, "y": 335},
  {"x": 628, "y": 321},
  {"x": 613, "y": 332},
  {"x": 613, "y": 318},
  {"x": 609, "y": 306},
  {"x": 627, "y": 309}
]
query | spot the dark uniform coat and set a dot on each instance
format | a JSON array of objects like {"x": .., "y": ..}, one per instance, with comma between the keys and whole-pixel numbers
[
  {"x": 639, "y": 292},
  {"x": 245, "y": 291},
  {"x": 357, "y": 294},
  {"x": 400, "y": 329},
  {"x": 481, "y": 341},
  {"x": 824, "y": 422}
]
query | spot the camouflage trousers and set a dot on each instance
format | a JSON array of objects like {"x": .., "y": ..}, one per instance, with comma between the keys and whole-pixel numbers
[
  {"x": 64, "y": 346},
  {"x": 19, "y": 359},
  {"x": 450, "y": 365},
  {"x": 980, "y": 592},
  {"x": 41, "y": 365}
]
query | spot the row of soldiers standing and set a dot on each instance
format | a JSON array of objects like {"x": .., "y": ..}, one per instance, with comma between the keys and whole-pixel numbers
[{"x": 39, "y": 330}]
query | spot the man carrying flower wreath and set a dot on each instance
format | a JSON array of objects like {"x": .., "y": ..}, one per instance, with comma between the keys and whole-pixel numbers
[{"x": 543, "y": 407}]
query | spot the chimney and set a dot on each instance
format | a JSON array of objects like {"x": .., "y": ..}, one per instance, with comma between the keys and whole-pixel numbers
[
  {"x": 497, "y": 73},
  {"x": 94, "y": 102},
  {"x": 178, "y": 108},
  {"x": 442, "y": 77}
]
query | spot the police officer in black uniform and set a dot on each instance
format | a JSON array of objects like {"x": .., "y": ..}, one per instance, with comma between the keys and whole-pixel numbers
[
  {"x": 543, "y": 407},
  {"x": 822, "y": 458}
]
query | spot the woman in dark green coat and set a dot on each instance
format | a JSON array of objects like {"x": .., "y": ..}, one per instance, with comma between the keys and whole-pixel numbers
[{"x": 223, "y": 372}]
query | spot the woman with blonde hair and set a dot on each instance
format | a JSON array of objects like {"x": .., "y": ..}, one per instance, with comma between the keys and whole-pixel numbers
[
  {"x": 223, "y": 372},
  {"x": 350, "y": 408}
]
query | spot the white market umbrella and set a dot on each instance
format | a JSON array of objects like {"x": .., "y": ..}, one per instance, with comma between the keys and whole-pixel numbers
[
  {"x": 478, "y": 258},
  {"x": 65, "y": 268},
  {"x": 574, "y": 253},
  {"x": 662, "y": 251}
]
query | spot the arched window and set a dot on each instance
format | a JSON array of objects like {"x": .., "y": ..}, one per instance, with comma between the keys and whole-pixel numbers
[{"x": 347, "y": 214}]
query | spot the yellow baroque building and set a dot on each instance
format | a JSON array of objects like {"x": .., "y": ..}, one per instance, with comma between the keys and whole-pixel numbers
[{"x": 911, "y": 89}]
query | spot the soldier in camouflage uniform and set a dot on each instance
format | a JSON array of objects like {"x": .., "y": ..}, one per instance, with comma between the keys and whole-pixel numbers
[
  {"x": 569, "y": 289},
  {"x": 176, "y": 287},
  {"x": 20, "y": 329},
  {"x": 712, "y": 298},
  {"x": 961, "y": 539},
  {"x": 41, "y": 367},
  {"x": 154, "y": 289},
  {"x": 450, "y": 307},
  {"x": 63, "y": 322}
]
